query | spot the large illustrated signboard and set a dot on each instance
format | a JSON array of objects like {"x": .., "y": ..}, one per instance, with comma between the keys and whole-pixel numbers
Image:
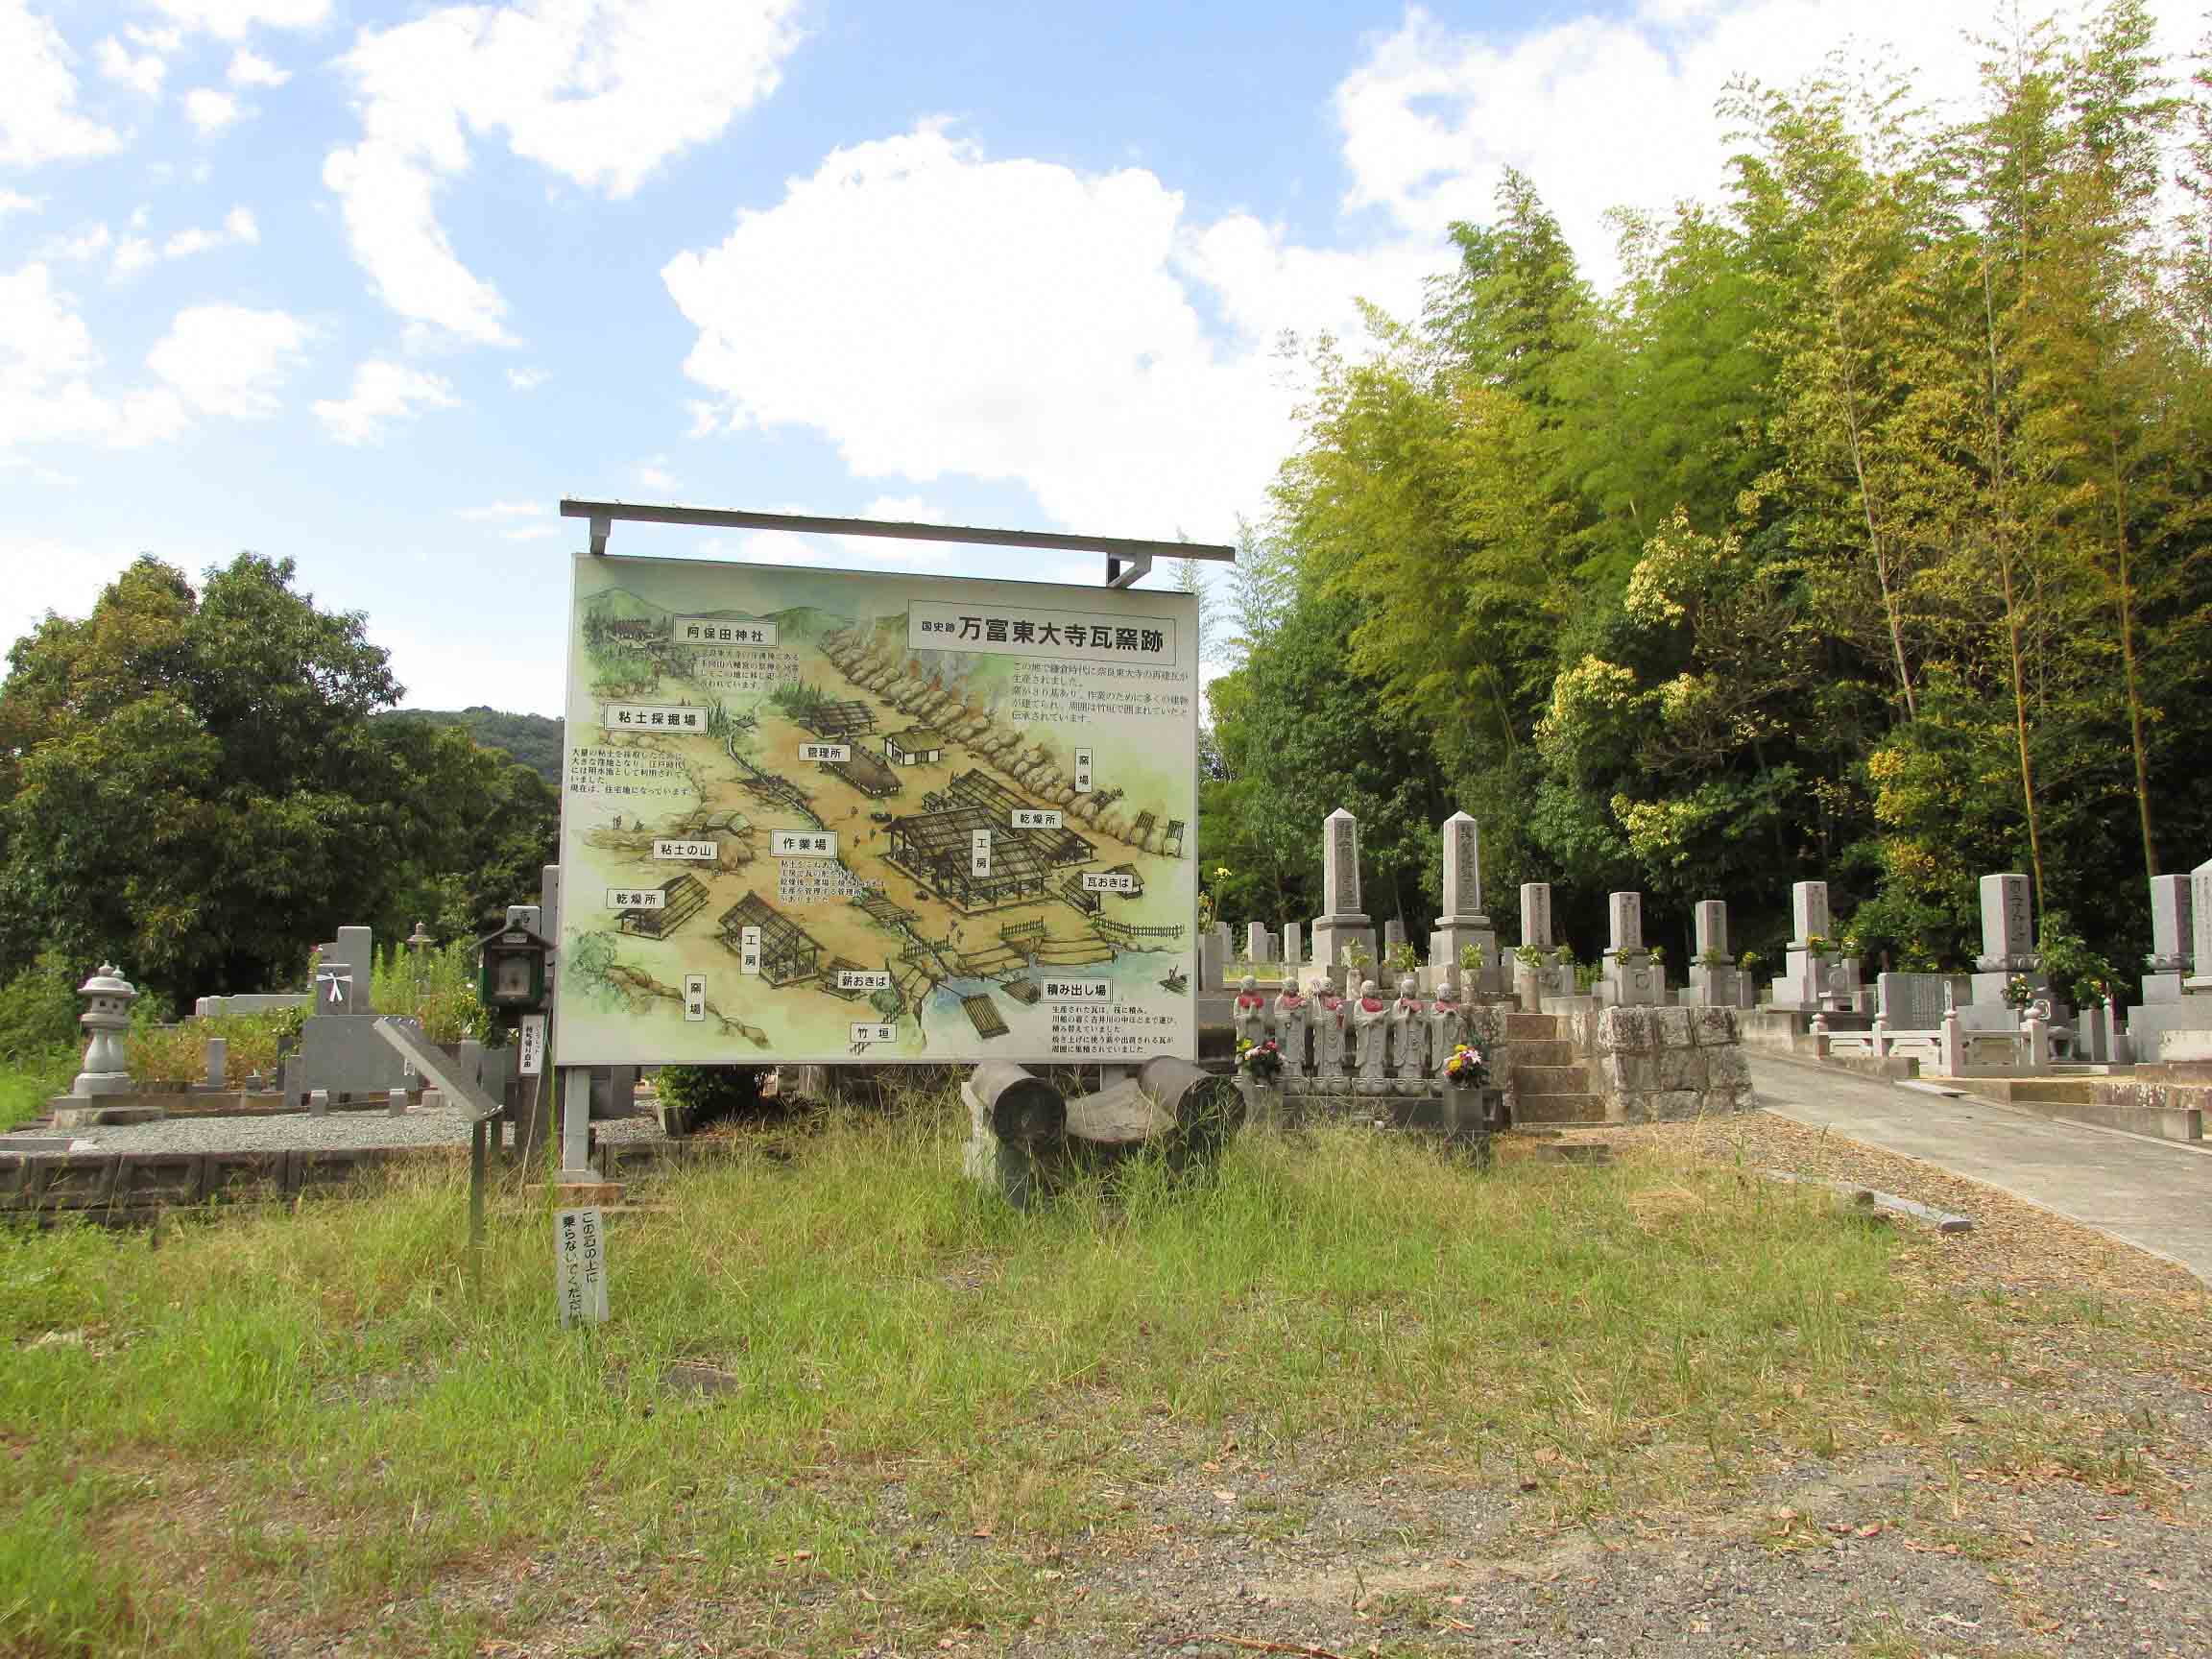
[{"x": 814, "y": 815}]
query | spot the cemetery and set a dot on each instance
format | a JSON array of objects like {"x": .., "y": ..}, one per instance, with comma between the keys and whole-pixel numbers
[{"x": 1589, "y": 1033}]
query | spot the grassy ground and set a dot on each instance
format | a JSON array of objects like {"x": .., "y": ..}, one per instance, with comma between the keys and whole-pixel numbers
[
  {"x": 29, "y": 1081},
  {"x": 856, "y": 1404}
]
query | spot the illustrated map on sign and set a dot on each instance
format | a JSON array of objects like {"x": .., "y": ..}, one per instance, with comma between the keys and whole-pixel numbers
[{"x": 819, "y": 816}]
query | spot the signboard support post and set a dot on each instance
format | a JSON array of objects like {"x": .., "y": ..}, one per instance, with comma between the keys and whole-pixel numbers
[{"x": 478, "y": 1134}]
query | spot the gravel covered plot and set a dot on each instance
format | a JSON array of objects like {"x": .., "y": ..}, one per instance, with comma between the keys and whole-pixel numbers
[{"x": 336, "y": 1130}]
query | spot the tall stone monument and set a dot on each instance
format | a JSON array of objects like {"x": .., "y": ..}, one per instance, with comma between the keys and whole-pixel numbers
[
  {"x": 1713, "y": 984},
  {"x": 1803, "y": 982},
  {"x": 1341, "y": 922},
  {"x": 1632, "y": 979},
  {"x": 2008, "y": 945},
  {"x": 1461, "y": 923}
]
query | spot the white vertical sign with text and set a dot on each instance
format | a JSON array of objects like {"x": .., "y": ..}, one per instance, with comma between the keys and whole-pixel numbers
[
  {"x": 579, "y": 1265},
  {"x": 530, "y": 1046}
]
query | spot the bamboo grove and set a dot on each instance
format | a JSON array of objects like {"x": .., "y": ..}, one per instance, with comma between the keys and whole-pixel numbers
[{"x": 1859, "y": 534}]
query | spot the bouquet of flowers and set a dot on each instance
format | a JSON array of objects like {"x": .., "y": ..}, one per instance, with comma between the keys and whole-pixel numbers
[
  {"x": 1261, "y": 1062},
  {"x": 1468, "y": 1068},
  {"x": 2018, "y": 992}
]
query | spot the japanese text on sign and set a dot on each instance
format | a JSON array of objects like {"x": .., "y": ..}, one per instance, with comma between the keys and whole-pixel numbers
[
  {"x": 1082, "y": 771},
  {"x": 579, "y": 1265},
  {"x": 875, "y": 1031},
  {"x": 530, "y": 1046},
  {"x": 695, "y": 998},
  {"x": 1035, "y": 818},
  {"x": 933, "y": 625},
  {"x": 1077, "y": 990},
  {"x": 1108, "y": 882},
  {"x": 863, "y": 979},
  {"x": 720, "y": 631},
  {"x": 825, "y": 751},
  {"x": 979, "y": 853},
  {"x": 802, "y": 844},
  {"x": 648, "y": 716},
  {"x": 749, "y": 950},
  {"x": 637, "y": 898},
  {"x": 690, "y": 852}
]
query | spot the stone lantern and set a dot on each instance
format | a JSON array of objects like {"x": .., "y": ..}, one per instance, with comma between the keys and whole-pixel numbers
[{"x": 108, "y": 998}]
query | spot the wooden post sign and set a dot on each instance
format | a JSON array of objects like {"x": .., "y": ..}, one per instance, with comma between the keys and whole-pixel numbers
[{"x": 579, "y": 1265}]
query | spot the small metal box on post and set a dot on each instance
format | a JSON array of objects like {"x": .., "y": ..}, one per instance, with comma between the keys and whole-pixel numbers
[{"x": 512, "y": 967}]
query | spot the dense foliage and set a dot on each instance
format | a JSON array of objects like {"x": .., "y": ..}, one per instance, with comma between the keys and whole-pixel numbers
[
  {"x": 1858, "y": 536},
  {"x": 533, "y": 739},
  {"x": 191, "y": 786}
]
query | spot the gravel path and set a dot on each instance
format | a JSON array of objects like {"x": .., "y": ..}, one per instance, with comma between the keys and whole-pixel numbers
[{"x": 437, "y": 1127}]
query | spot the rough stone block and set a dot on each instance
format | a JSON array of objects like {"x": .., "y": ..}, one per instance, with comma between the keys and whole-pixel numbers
[
  {"x": 1670, "y": 1027},
  {"x": 1661, "y": 1106},
  {"x": 1712, "y": 1027},
  {"x": 1681, "y": 1068},
  {"x": 1624, "y": 1029},
  {"x": 1726, "y": 1068}
]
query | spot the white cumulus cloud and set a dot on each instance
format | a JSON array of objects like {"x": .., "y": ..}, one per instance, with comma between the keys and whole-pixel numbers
[
  {"x": 229, "y": 20},
  {"x": 210, "y": 110},
  {"x": 47, "y": 360},
  {"x": 38, "y": 118},
  {"x": 145, "y": 72},
  {"x": 1616, "y": 109},
  {"x": 251, "y": 69},
  {"x": 383, "y": 392},
  {"x": 15, "y": 202},
  {"x": 229, "y": 360},
  {"x": 597, "y": 90},
  {"x": 504, "y": 510},
  {"x": 528, "y": 379},
  {"x": 134, "y": 252},
  {"x": 1039, "y": 324}
]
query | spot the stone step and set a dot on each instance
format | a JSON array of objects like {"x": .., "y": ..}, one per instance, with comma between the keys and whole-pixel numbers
[
  {"x": 1558, "y": 1109},
  {"x": 2028, "y": 1090},
  {"x": 1532, "y": 1027},
  {"x": 1551, "y": 1079},
  {"x": 1543, "y": 1051}
]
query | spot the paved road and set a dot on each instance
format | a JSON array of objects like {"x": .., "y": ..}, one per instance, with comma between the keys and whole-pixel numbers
[{"x": 2149, "y": 1194}]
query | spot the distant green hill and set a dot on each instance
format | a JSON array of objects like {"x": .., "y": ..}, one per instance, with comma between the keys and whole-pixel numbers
[{"x": 533, "y": 739}]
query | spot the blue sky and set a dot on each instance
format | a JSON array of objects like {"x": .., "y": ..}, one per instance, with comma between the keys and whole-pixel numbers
[{"x": 372, "y": 285}]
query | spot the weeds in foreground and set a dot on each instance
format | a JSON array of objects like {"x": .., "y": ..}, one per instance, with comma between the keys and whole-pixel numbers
[{"x": 316, "y": 1408}]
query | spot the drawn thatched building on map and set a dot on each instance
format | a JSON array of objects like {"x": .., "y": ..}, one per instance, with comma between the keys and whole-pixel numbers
[
  {"x": 916, "y": 746},
  {"x": 866, "y": 774},
  {"x": 682, "y": 897},
  {"x": 788, "y": 952},
  {"x": 838, "y": 722},
  {"x": 937, "y": 849}
]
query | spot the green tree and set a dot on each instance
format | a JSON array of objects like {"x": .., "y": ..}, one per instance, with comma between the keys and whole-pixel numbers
[{"x": 193, "y": 787}]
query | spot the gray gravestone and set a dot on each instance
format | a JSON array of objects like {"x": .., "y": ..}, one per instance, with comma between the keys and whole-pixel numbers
[
  {"x": 1536, "y": 914},
  {"x": 1256, "y": 944},
  {"x": 2201, "y": 927},
  {"x": 2008, "y": 933},
  {"x": 1294, "y": 944},
  {"x": 1713, "y": 984},
  {"x": 1912, "y": 1001},
  {"x": 1340, "y": 864},
  {"x": 1463, "y": 923},
  {"x": 1808, "y": 910},
  {"x": 335, "y": 990},
  {"x": 2173, "y": 931},
  {"x": 218, "y": 1062},
  {"x": 1393, "y": 934},
  {"x": 1342, "y": 923},
  {"x": 1625, "y": 912},
  {"x": 1711, "y": 918}
]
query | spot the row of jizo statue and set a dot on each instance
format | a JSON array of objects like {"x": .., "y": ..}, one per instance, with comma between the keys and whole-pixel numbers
[{"x": 1366, "y": 1042}]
